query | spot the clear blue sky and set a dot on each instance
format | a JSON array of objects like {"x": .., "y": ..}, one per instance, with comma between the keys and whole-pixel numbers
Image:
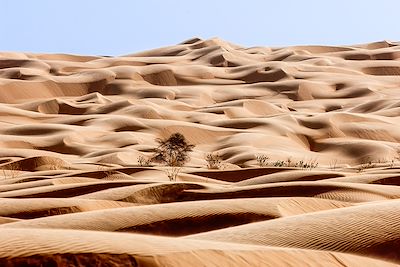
[{"x": 117, "y": 27}]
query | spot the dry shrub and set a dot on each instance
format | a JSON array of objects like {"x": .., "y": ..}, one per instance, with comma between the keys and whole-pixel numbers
[
  {"x": 143, "y": 161},
  {"x": 214, "y": 160},
  {"x": 262, "y": 160},
  {"x": 172, "y": 173}
]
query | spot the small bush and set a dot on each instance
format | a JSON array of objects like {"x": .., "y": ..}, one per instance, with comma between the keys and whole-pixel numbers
[
  {"x": 172, "y": 173},
  {"x": 289, "y": 162},
  {"x": 333, "y": 164},
  {"x": 214, "y": 160},
  {"x": 391, "y": 163},
  {"x": 143, "y": 161},
  {"x": 262, "y": 160}
]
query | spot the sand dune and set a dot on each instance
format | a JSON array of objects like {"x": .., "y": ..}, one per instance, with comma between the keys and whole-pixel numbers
[
  {"x": 371, "y": 229},
  {"x": 72, "y": 129},
  {"x": 175, "y": 219},
  {"x": 24, "y": 245}
]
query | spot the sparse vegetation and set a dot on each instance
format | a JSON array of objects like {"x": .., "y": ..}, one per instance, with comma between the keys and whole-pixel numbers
[
  {"x": 262, "y": 160},
  {"x": 143, "y": 161},
  {"x": 279, "y": 163},
  {"x": 312, "y": 164},
  {"x": 367, "y": 164},
  {"x": 333, "y": 164},
  {"x": 172, "y": 173},
  {"x": 214, "y": 160}
]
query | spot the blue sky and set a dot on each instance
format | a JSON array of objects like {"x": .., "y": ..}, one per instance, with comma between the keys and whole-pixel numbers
[{"x": 118, "y": 27}]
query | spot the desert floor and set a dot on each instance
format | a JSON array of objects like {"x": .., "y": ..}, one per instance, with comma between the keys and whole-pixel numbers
[{"x": 73, "y": 127}]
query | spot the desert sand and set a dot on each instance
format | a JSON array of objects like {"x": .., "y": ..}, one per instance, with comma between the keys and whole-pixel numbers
[{"x": 73, "y": 128}]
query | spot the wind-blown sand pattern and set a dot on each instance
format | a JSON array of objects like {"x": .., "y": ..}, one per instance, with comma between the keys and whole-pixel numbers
[{"x": 73, "y": 127}]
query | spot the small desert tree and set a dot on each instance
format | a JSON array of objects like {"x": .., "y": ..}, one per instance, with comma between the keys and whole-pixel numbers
[{"x": 174, "y": 152}]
